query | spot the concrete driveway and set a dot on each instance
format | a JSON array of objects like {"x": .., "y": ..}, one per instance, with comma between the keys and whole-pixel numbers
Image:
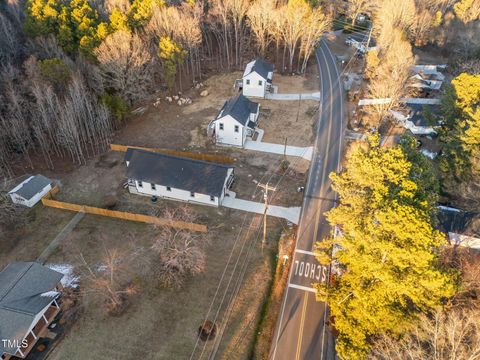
[
  {"x": 291, "y": 214},
  {"x": 303, "y": 152},
  {"x": 291, "y": 97}
]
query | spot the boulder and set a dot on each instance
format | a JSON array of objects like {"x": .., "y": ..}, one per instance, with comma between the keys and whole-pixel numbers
[{"x": 204, "y": 93}]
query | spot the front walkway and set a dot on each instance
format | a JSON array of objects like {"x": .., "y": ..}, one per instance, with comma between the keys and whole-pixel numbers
[
  {"x": 303, "y": 152},
  {"x": 289, "y": 97},
  {"x": 291, "y": 214}
]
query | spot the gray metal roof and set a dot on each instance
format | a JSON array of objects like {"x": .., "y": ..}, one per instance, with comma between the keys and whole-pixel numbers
[
  {"x": 240, "y": 108},
  {"x": 21, "y": 287},
  {"x": 262, "y": 68},
  {"x": 363, "y": 38},
  {"x": 180, "y": 173},
  {"x": 32, "y": 187}
]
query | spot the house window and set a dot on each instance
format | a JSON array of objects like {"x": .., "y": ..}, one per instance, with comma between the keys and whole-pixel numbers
[
  {"x": 220, "y": 126},
  {"x": 169, "y": 188},
  {"x": 153, "y": 186},
  {"x": 260, "y": 82},
  {"x": 248, "y": 81},
  {"x": 140, "y": 184},
  {"x": 212, "y": 198},
  {"x": 192, "y": 194},
  {"x": 237, "y": 129}
]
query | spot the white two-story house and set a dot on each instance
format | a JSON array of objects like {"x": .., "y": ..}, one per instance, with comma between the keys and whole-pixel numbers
[
  {"x": 257, "y": 79},
  {"x": 177, "y": 178},
  {"x": 236, "y": 121}
]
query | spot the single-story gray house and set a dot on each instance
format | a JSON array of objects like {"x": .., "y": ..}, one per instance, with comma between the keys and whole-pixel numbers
[
  {"x": 177, "y": 178},
  {"x": 28, "y": 304},
  {"x": 257, "y": 79},
  {"x": 30, "y": 191},
  {"x": 363, "y": 42},
  {"x": 235, "y": 122}
]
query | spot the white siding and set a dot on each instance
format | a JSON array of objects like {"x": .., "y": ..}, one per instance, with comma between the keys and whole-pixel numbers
[
  {"x": 228, "y": 134},
  {"x": 17, "y": 199},
  {"x": 176, "y": 194},
  {"x": 254, "y": 89}
]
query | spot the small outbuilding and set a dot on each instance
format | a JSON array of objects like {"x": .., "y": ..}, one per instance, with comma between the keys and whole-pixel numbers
[
  {"x": 28, "y": 304},
  {"x": 236, "y": 121},
  {"x": 257, "y": 79},
  {"x": 363, "y": 42},
  {"x": 30, "y": 191},
  {"x": 177, "y": 178}
]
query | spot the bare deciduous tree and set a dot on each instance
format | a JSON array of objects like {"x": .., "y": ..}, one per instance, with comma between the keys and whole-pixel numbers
[
  {"x": 110, "y": 281},
  {"x": 357, "y": 7},
  {"x": 260, "y": 19},
  {"x": 126, "y": 64},
  {"x": 177, "y": 253}
]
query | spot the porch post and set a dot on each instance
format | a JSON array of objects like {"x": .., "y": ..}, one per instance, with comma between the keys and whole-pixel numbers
[
  {"x": 35, "y": 336},
  {"x": 56, "y": 304}
]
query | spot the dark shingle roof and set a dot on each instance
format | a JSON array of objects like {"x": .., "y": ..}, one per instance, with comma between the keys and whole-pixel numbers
[
  {"x": 240, "y": 108},
  {"x": 362, "y": 38},
  {"x": 417, "y": 112},
  {"x": 455, "y": 220},
  {"x": 21, "y": 287},
  {"x": 262, "y": 68},
  {"x": 181, "y": 173},
  {"x": 32, "y": 187}
]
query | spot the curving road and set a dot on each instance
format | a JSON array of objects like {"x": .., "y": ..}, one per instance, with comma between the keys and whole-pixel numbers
[{"x": 302, "y": 330}]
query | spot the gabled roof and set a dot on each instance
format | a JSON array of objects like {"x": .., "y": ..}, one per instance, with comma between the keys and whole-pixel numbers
[
  {"x": 260, "y": 67},
  {"x": 180, "y": 173},
  {"x": 240, "y": 108},
  {"x": 362, "y": 38},
  {"x": 31, "y": 186},
  {"x": 25, "y": 289}
]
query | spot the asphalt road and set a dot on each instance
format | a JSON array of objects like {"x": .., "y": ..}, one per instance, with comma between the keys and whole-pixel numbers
[{"x": 302, "y": 330}]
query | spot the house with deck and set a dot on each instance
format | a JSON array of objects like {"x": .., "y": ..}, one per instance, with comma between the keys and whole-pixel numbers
[
  {"x": 31, "y": 190},
  {"x": 236, "y": 120},
  {"x": 177, "y": 178},
  {"x": 257, "y": 79},
  {"x": 28, "y": 305}
]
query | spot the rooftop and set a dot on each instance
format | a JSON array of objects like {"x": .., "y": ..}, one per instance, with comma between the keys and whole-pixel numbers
[
  {"x": 259, "y": 66},
  {"x": 452, "y": 220},
  {"x": 180, "y": 173},
  {"x": 31, "y": 186},
  {"x": 240, "y": 108},
  {"x": 25, "y": 290}
]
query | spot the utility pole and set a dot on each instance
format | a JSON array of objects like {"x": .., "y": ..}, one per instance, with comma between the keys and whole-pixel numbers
[{"x": 266, "y": 187}]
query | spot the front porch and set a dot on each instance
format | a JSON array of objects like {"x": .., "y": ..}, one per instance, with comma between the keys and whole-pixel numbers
[{"x": 38, "y": 330}]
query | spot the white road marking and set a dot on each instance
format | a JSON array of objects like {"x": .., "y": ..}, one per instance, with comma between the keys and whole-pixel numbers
[
  {"x": 300, "y": 287},
  {"x": 305, "y": 252}
]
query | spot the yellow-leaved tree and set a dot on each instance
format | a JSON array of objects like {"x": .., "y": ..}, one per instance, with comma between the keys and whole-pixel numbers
[{"x": 386, "y": 268}]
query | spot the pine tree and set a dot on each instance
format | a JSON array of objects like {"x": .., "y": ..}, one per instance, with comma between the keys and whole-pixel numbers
[
  {"x": 387, "y": 251},
  {"x": 172, "y": 55}
]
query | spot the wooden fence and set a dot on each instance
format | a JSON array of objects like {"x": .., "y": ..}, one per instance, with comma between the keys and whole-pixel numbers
[
  {"x": 123, "y": 215},
  {"x": 197, "y": 156}
]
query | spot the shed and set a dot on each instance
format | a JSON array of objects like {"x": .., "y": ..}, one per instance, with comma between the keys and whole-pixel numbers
[{"x": 30, "y": 191}]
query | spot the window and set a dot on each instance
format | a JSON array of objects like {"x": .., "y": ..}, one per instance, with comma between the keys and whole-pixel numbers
[
  {"x": 220, "y": 126},
  {"x": 192, "y": 194},
  {"x": 169, "y": 188},
  {"x": 260, "y": 82},
  {"x": 237, "y": 129},
  {"x": 248, "y": 81},
  {"x": 212, "y": 198},
  {"x": 153, "y": 186},
  {"x": 140, "y": 184}
]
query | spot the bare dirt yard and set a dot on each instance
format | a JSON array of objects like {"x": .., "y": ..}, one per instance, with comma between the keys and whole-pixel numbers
[{"x": 162, "y": 323}]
